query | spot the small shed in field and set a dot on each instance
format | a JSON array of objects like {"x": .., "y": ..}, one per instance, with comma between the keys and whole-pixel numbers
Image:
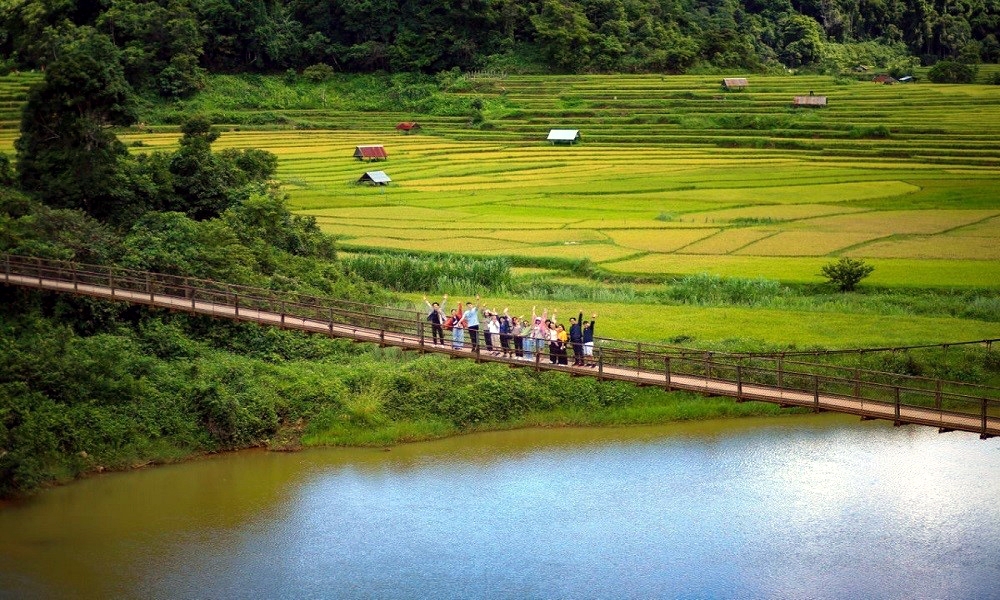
[
  {"x": 885, "y": 79},
  {"x": 375, "y": 178},
  {"x": 408, "y": 126},
  {"x": 809, "y": 101},
  {"x": 564, "y": 136},
  {"x": 735, "y": 83},
  {"x": 370, "y": 152}
]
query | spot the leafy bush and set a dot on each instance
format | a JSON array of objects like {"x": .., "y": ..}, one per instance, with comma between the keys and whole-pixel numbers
[
  {"x": 846, "y": 273},
  {"x": 949, "y": 71},
  {"x": 318, "y": 73}
]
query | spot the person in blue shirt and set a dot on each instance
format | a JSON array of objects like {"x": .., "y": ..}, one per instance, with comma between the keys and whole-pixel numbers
[{"x": 471, "y": 317}]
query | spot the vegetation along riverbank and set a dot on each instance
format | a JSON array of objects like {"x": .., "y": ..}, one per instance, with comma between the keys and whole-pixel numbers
[{"x": 691, "y": 213}]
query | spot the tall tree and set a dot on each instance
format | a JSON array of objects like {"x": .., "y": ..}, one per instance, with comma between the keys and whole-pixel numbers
[{"x": 67, "y": 154}]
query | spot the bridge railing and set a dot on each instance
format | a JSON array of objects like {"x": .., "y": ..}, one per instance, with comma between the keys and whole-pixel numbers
[{"x": 637, "y": 361}]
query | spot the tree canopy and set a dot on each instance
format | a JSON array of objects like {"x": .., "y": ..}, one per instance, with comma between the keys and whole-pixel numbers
[{"x": 168, "y": 45}]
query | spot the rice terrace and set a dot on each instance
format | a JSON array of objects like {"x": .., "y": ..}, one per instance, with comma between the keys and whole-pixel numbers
[{"x": 674, "y": 177}]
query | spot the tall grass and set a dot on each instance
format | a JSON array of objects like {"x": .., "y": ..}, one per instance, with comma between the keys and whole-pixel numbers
[
  {"x": 712, "y": 290},
  {"x": 411, "y": 273}
]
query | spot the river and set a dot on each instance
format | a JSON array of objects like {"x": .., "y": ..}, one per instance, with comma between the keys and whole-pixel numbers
[{"x": 795, "y": 507}]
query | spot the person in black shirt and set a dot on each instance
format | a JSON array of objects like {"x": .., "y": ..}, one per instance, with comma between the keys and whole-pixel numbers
[{"x": 436, "y": 317}]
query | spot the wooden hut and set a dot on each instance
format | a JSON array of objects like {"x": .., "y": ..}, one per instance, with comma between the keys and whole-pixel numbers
[
  {"x": 884, "y": 79},
  {"x": 735, "y": 83},
  {"x": 564, "y": 136},
  {"x": 809, "y": 100},
  {"x": 408, "y": 127},
  {"x": 370, "y": 152},
  {"x": 375, "y": 178}
]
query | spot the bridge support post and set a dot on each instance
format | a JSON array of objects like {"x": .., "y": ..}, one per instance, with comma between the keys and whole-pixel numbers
[
  {"x": 6, "y": 267},
  {"x": 638, "y": 356},
  {"x": 111, "y": 280},
  {"x": 815, "y": 393},
  {"x": 76, "y": 284},
  {"x": 600, "y": 364},
  {"x": 666, "y": 371},
  {"x": 331, "y": 322},
  {"x": 895, "y": 391},
  {"x": 538, "y": 358},
  {"x": 381, "y": 332},
  {"x": 38, "y": 263},
  {"x": 236, "y": 303},
  {"x": 420, "y": 331},
  {"x": 983, "y": 435},
  {"x": 739, "y": 383},
  {"x": 149, "y": 288},
  {"x": 937, "y": 394},
  {"x": 781, "y": 370}
]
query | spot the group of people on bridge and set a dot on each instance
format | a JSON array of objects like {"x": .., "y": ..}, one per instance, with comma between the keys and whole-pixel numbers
[{"x": 513, "y": 336}]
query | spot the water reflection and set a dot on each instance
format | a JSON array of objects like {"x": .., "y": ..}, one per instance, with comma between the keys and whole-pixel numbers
[{"x": 821, "y": 507}]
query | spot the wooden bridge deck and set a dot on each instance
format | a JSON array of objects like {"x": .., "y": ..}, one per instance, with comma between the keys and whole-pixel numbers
[{"x": 865, "y": 393}]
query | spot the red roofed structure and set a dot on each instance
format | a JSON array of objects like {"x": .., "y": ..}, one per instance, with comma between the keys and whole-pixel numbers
[
  {"x": 372, "y": 152},
  {"x": 408, "y": 126}
]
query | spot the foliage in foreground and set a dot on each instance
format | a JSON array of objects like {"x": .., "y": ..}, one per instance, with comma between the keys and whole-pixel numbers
[{"x": 154, "y": 387}]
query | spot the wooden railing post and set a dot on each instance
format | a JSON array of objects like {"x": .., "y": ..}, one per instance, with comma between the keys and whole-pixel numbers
[
  {"x": 739, "y": 383},
  {"x": 6, "y": 267},
  {"x": 331, "y": 321},
  {"x": 381, "y": 332},
  {"x": 111, "y": 280},
  {"x": 76, "y": 284},
  {"x": 896, "y": 393},
  {"x": 937, "y": 394},
  {"x": 857, "y": 383},
  {"x": 38, "y": 263},
  {"x": 538, "y": 358},
  {"x": 781, "y": 370},
  {"x": 666, "y": 370},
  {"x": 815, "y": 393},
  {"x": 282, "y": 313},
  {"x": 638, "y": 356},
  {"x": 983, "y": 435},
  {"x": 236, "y": 303},
  {"x": 420, "y": 331},
  {"x": 600, "y": 363}
]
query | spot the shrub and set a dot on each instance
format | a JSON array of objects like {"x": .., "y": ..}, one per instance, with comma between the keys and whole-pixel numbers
[
  {"x": 318, "y": 73},
  {"x": 846, "y": 273},
  {"x": 949, "y": 71}
]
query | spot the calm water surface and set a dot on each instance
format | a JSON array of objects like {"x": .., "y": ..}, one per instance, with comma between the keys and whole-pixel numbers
[{"x": 797, "y": 507}]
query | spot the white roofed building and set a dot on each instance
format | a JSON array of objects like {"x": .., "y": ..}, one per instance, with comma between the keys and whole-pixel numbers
[
  {"x": 564, "y": 136},
  {"x": 375, "y": 178}
]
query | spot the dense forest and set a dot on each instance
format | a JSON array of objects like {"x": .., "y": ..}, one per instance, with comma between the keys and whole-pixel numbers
[{"x": 169, "y": 45}]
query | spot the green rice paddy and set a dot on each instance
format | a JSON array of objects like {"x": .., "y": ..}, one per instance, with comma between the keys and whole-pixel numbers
[{"x": 674, "y": 176}]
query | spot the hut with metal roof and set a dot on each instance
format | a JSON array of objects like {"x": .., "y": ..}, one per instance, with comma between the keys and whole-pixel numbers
[
  {"x": 408, "y": 126},
  {"x": 564, "y": 136},
  {"x": 375, "y": 178},
  {"x": 809, "y": 100},
  {"x": 371, "y": 152},
  {"x": 735, "y": 83}
]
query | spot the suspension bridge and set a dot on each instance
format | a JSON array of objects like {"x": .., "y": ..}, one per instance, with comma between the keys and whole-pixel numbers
[{"x": 902, "y": 399}]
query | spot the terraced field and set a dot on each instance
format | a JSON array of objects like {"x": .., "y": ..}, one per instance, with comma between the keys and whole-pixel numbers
[{"x": 674, "y": 176}]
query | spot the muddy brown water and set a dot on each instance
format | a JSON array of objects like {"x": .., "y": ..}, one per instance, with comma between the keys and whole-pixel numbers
[{"x": 793, "y": 507}]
